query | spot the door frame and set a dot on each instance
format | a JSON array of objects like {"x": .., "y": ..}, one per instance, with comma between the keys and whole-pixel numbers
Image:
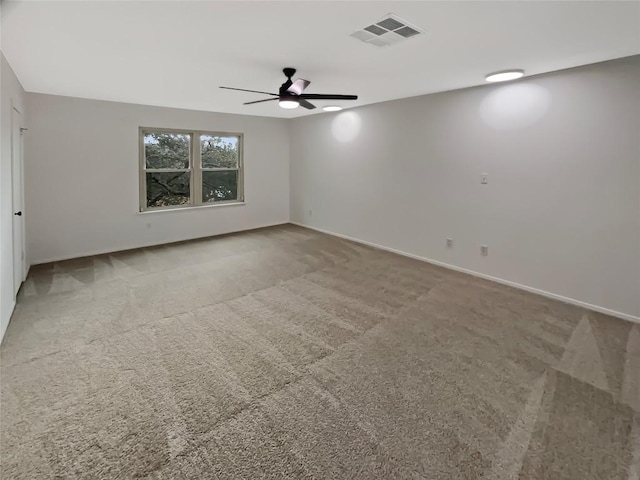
[{"x": 20, "y": 264}]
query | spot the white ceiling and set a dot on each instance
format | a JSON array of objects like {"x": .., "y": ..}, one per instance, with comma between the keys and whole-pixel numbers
[{"x": 176, "y": 53}]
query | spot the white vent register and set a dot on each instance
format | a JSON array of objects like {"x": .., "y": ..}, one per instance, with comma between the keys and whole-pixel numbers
[{"x": 388, "y": 31}]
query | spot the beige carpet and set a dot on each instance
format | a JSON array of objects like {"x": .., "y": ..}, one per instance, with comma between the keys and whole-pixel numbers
[{"x": 285, "y": 353}]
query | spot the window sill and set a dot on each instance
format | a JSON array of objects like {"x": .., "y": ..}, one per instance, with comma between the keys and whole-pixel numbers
[{"x": 192, "y": 207}]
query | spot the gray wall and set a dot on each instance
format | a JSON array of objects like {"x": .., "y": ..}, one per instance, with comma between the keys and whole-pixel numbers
[
  {"x": 561, "y": 211},
  {"x": 82, "y": 177}
]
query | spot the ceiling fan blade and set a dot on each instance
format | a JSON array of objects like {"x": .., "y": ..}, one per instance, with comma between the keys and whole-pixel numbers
[
  {"x": 298, "y": 86},
  {"x": 253, "y": 91},
  {"x": 305, "y": 104},
  {"x": 323, "y": 96},
  {"x": 260, "y": 101}
]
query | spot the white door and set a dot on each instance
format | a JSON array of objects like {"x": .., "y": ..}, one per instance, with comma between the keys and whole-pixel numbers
[{"x": 18, "y": 217}]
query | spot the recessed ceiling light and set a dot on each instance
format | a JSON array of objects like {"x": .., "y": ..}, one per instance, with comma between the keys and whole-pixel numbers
[
  {"x": 332, "y": 108},
  {"x": 504, "y": 76}
]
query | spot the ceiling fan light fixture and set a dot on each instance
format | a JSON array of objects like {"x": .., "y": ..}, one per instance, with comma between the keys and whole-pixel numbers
[
  {"x": 288, "y": 100},
  {"x": 332, "y": 108},
  {"x": 289, "y": 103},
  {"x": 504, "y": 75}
]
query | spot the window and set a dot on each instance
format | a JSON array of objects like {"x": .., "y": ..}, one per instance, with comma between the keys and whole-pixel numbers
[{"x": 180, "y": 168}]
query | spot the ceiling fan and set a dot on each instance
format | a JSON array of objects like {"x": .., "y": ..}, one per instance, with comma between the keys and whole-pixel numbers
[{"x": 290, "y": 94}]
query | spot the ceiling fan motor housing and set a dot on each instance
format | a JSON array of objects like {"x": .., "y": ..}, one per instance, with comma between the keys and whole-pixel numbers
[{"x": 286, "y": 95}]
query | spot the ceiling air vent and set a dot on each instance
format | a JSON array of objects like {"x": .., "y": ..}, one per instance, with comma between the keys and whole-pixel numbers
[
  {"x": 376, "y": 30},
  {"x": 407, "y": 32},
  {"x": 388, "y": 31}
]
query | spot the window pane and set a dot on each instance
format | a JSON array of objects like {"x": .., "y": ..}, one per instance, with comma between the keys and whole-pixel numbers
[
  {"x": 167, "y": 150},
  {"x": 219, "y": 152},
  {"x": 167, "y": 188},
  {"x": 219, "y": 186}
]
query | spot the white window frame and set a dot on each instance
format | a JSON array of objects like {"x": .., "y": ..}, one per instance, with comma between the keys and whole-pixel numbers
[{"x": 194, "y": 168}]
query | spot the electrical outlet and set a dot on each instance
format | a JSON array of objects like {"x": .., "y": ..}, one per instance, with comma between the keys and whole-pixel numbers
[
  {"x": 484, "y": 178},
  {"x": 484, "y": 250},
  {"x": 310, "y": 212},
  {"x": 449, "y": 242}
]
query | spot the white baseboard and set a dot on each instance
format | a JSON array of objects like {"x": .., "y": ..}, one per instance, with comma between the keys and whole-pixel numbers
[
  {"x": 11, "y": 309},
  {"x": 573, "y": 301},
  {"x": 108, "y": 251},
  {"x": 13, "y": 306}
]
